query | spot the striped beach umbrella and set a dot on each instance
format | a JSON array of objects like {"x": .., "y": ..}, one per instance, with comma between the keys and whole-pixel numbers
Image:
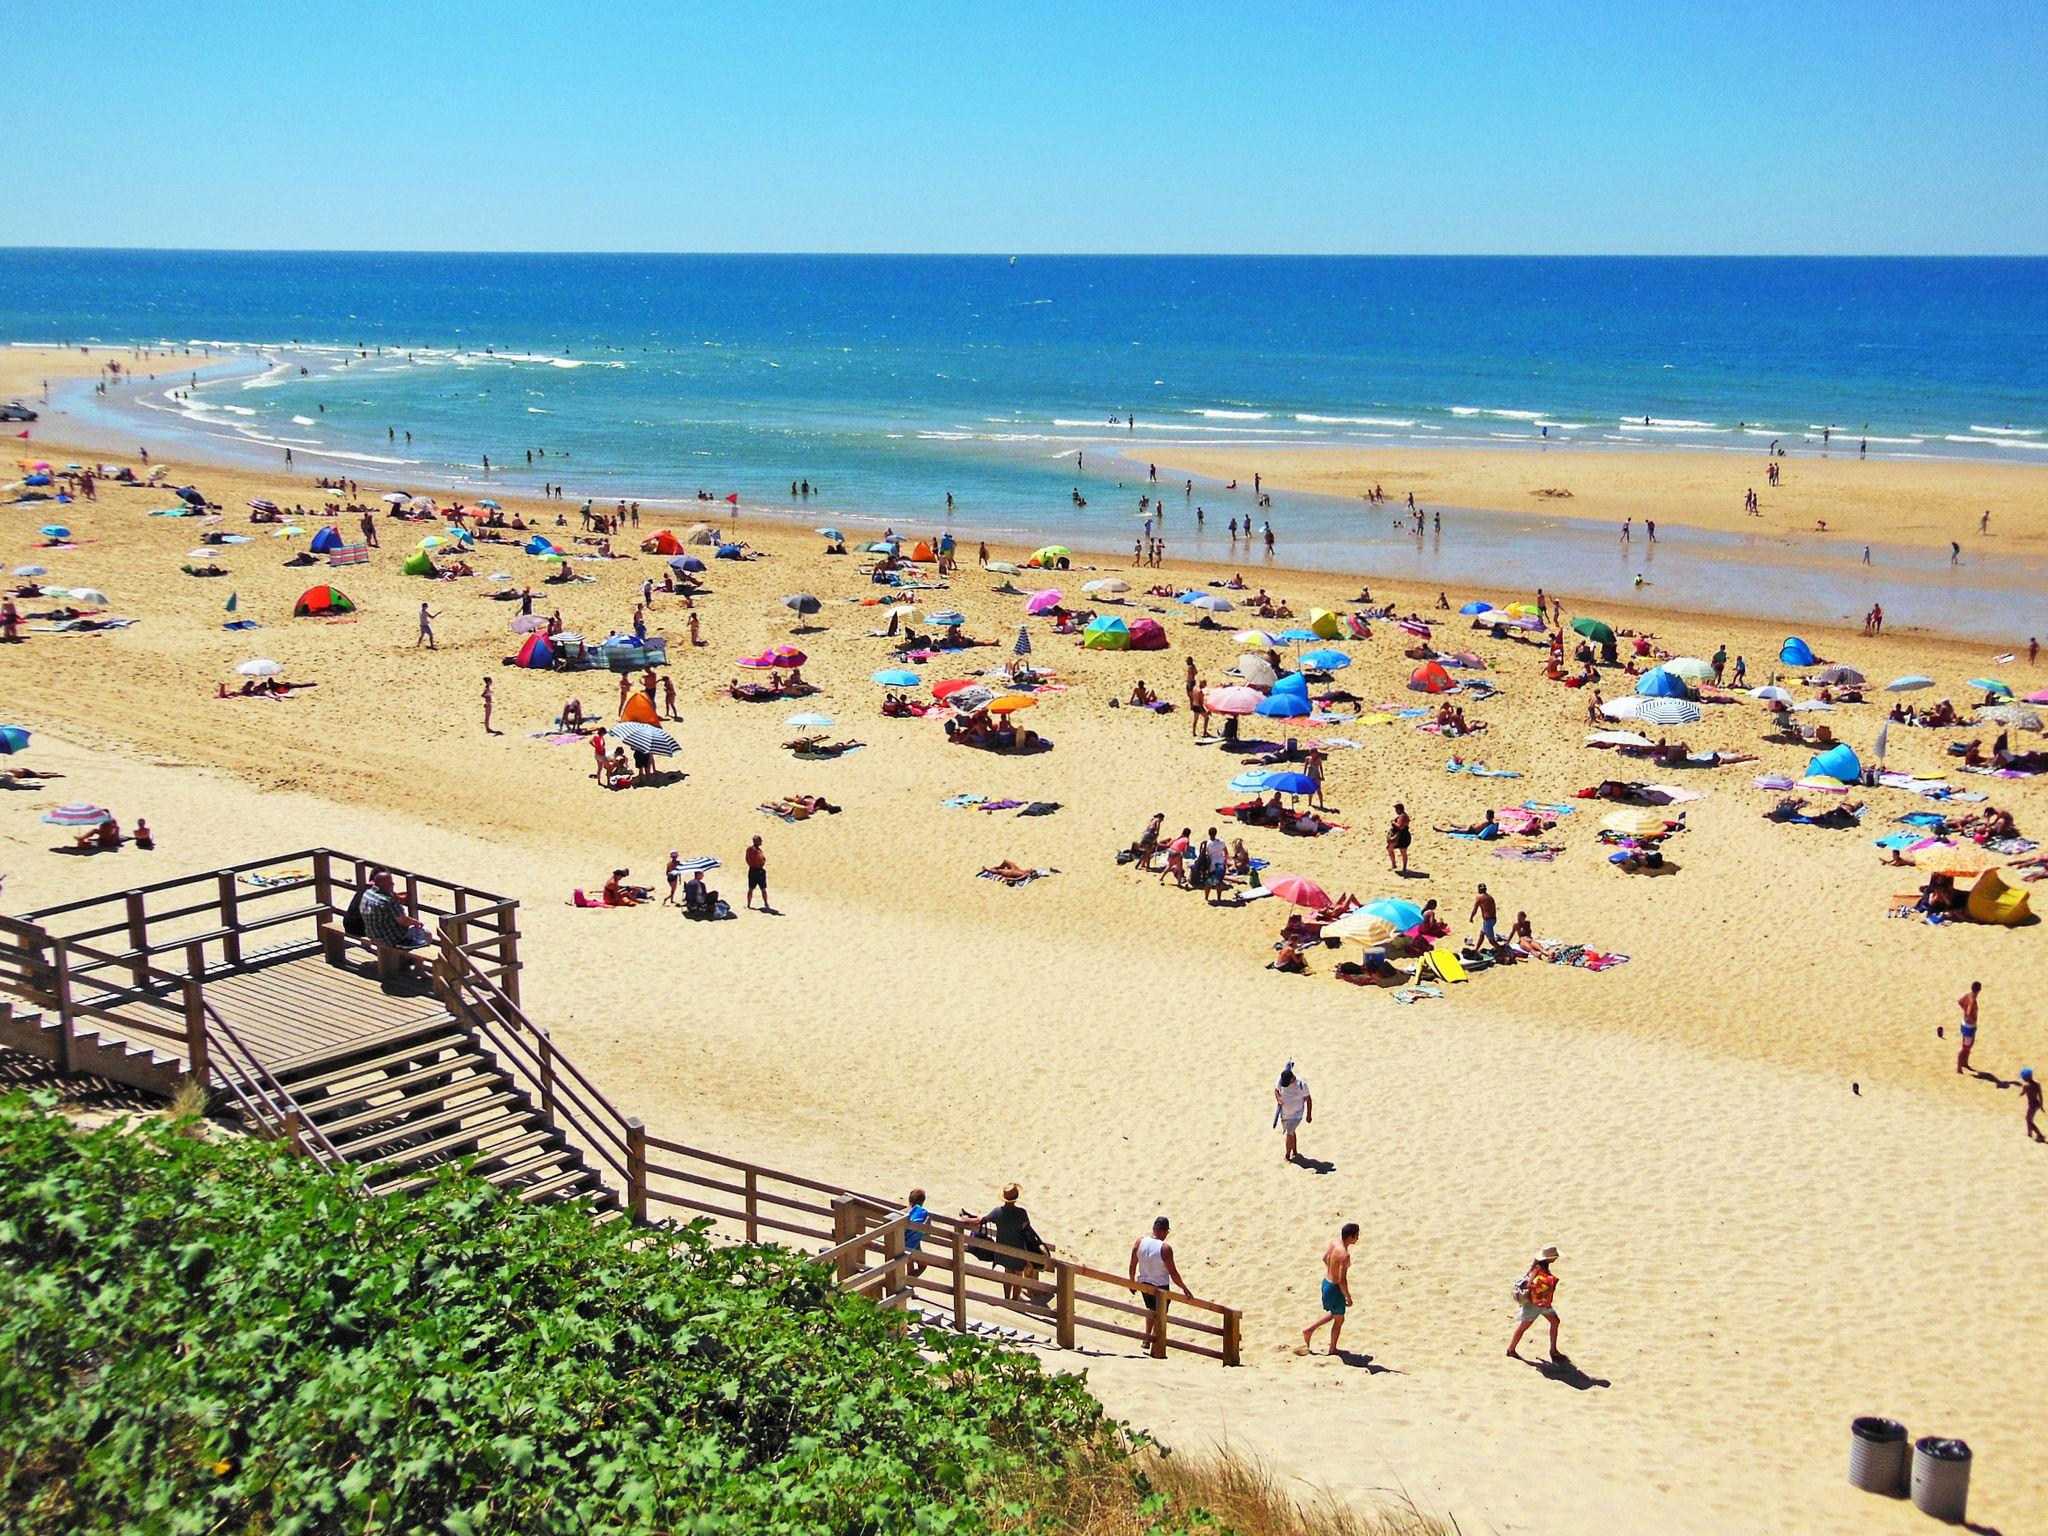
[
  {"x": 635, "y": 736},
  {"x": 77, "y": 815}
]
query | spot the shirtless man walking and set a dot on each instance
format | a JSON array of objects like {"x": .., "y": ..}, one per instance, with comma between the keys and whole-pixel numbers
[
  {"x": 1336, "y": 1289},
  {"x": 1968, "y": 1003}
]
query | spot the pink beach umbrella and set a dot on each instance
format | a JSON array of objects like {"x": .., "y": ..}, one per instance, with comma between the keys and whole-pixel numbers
[
  {"x": 1233, "y": 701},
  {"x": 1043, "y": 602},
  {"x": 1299, "y": 889}
]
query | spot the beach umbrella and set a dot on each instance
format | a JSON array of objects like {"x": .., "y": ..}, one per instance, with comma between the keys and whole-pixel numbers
[
  {"x": 1289, "y": 783},
  {"x": 77, "y": 815},
  {"x": 951, "y": 686},
  {"x": 55, "y": 531},
  {"x": 1430, "y": 678},
  {"x": 1990, "y": 685},
  {"x": 1010, "y": 703},
  {"x": 689, "y": 563},
  {"x": 1813, "y": 707},
  {"x": 1912, "y": 682},
  {"x": 1617, "y": 739},
  {"x": 2039, "y": 696},
  {"x": 1043, "y": 602},
  {"x": 527, "y": 623},
  {"x": 1691, "y": 668},
  {"x": 1529, "y": 611},
  {"x": 1257, "y": 671},
  {"x": 1835, "y": 676},
  {"x": 635, "y": 736},
  {"x": 1772, "y": 692},
  {"x": 1299, "y": 889},
  {"x": 1022, "y": 645},
  {"x": 973, "y": 697},
  {"x": 13, "y": 739},
  {"x": 878, "y": 547},
  {"x": 1659, "y": 684},
  {"x": 259, "y": 666},
  {"x": 947, "y": 618},
  {"x": 1251, "y": 778},
  {"x": 1325, "y": 660},
  {"x": 786, "y": 656},
  {"x": 1108, "y": 586},
  {"x": 204, "y": 552},
  {"x": 1367, "y": 928},
  {"x": 2017, "y": 716},
  {"x": 1795, "y": 652},
  {"x": 831, "y": 533},
  {"x": 1475, "y": 607},
  {"x": 1233, "y": 701},
  {"x": 1404, "y": 915},
  {"x": 190, "y": 495},
  {"x": 1823, "y": 782},
  {"x": 1593, "y": 629},
  {"x": 1256, "y": 639},
  {"x": 88, "y": 595},
  {"x": 802, "y": 602},
  {"x": 1633, "y": 821},
  {"x": 1300, "y": 636},
  {"x": 1953, "y": 859},
  {"x": 1623, "y": 708},
  {"x": 264, "y": 504},
  {"x": 1050, "y": 555},
  {"x": 31, "y": 570},
  {"x": 42, "y": 480},
  {"x": 395, "y": 498},
  {"x": 810, "y": 720},
  {"x": 897, "y": 677},
  {"x": 1209, "y": 602},
  {"x": 1413, "y": 627},
  {"x": 1284, "y": 706},
  {"x": 289, "y": 531},
  {"x": 1668, "y": 711}
]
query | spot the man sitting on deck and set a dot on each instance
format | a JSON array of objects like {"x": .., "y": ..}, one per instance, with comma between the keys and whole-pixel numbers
[{"x": 385, "y": 920}]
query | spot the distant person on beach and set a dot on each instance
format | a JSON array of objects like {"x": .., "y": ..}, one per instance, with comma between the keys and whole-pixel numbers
[
  {"x": 1968, "y": 1004},
  {"x": 1293, "y": 1105},
  {"x": 487, "y": 708},
  {"x": 1955, "y": 553},
  {"x": 757, "y": 874},
  {"x": 1336, "y": 1289},
  {"x": 426, "y": 634},
  {"x": 1537, "y": 1293},
  {"x": 1399, "y": 836},
  {"x": 1152, "y": 1264},
  {"x": 2030, "y": 1097}
]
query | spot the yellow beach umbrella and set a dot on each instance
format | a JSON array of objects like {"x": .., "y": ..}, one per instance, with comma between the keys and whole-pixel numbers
[
  {"x": 1362, "y": 927},
  {"x": 1633, "y": 821},
  {"x": 1009, "y": 703},
  {"x": 1524, "y": 610},
  {"x": 1325, "y": 623}
]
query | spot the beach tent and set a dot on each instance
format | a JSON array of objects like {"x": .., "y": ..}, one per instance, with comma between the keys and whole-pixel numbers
[
  {"x": 1291, "y": 682},
  {"x": 1430, "y": 678},
  {"x": 1795, "y": 652},
  {"x": 1360, "y": 630},
  {"x": 923, "y": 551},
  {"x": 325, "y": 540},
  {"x": 1325, "y": 624},
  {"x": 639, "y": 707},
  {"x": 1148, "y": 635},
  {"x": 535, "y": 653},
  {"x": 1659, "y": 684},
  {"x": 537, "y": 545},
  {"x": 1051, "y": 556},
  {"x": 1838, "y": 762},
  {"x": 1992, "y": 900},
  {"x": 701, "y": 533},
  {"x": 728, "y": 552},
  {"x": 663, "y": 543},
  {"x": 418, "y": 563},
  {"x": 1106, "y": 634},
  {"x": 315, "y": 601}
]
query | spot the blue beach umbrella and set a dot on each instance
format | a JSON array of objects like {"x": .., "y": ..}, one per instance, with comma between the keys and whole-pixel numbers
[
  {"x": 1471, "y": 608},
  {"x": 897, "y": 677},
  {"x": 1300, "y": 636},
  {"x": 55, "y": 531},
  {"x": 1284, "y": 706},
  {"x": 13, "y": 739},
  {"x": 1290, "y": 783},
  {"x": 1292, "y": 682},
  {"x": 685, "y": 563},
  {"x": 946, "y": 618},
  {"x": 1659, "y": 684},
  {"x": 833, "y": 534},
  {"x": 1325, "y": 661},
  {"x": 1404, "y": 915}
]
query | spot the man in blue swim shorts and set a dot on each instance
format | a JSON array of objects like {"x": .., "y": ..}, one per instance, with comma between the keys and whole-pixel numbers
[{"x": 1336, "y": 1289}]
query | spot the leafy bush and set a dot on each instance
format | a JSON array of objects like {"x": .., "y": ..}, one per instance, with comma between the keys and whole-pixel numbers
[{"x": 202, "y": 1336}]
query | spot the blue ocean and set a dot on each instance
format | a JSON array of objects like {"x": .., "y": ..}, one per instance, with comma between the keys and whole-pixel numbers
[{"x": 890, "y": 382}]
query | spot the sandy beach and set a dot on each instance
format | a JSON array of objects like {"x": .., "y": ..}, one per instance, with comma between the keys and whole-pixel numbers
[{"x": 1779, "y": 1205}]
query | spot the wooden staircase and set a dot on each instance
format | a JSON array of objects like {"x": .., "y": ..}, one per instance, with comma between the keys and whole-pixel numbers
[
  {"x": 400, "y": 1110},
  {"x": 95, "y": 1050}
]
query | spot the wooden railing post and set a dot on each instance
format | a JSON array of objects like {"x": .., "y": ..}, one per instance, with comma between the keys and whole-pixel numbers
[
  {"x": 508, "y": 952},
  {"x": 846, "y": 1226},
  {"x": 323, "y": 879},
  {"x": 1063, "y": 1303},
  {"x": 959, "y": 1278},
  {"x": 138, "y": 937},
  {"x": 230, "y": 918},
  {"x": 196, "y": 1056},
  {"x": 1159, "y": 1303},
  {"x": 60, "y": 979},
  {"x": 1233, "y": 1336},
  {"x": 547, "y": 1077},
  {"x": 753, "y": 1205},
  {"x": 195, "y": 961},
  {"x": 636, "y": 1170},
  {"x": 892, "y": 1255}
]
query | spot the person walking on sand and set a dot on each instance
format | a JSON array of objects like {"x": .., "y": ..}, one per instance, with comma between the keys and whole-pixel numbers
[
  {"x": 426, "y": 634},
  {"x": 1484, "y": 908},
  {"x": 1399, "y": 836},
  {"x": 1537, "y": 1294},
  {"x": 1336, "y": 1290},
  {"x": 2030, "y": 1098},
  {"x": 757, "y": 874},
  {"x": 674, "y": 872},
  {"x": 1152, "y": 1264},
  {"x": 487, "y": 708},
  {"x": 1292, "y": 1105},
  {"x": 1968, "y": 1003}
]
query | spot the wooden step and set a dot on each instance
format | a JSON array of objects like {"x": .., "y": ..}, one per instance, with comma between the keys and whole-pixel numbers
[
  {"x": 396, "y": 1175},
  {"x": 415, "y": 1090},
  {"x": 432, "y": 1042},
  {"x": 564, "y": 1187},
  {"x": 358, "y": 1145}
]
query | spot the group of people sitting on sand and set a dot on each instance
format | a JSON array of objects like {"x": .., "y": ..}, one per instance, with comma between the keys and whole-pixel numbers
[
  {"x": 981, "y": 729},
  {"x": 259, "y": 688},
  {"x": 1941, "y": 715},
  {"x": 2001, "y": 755},
  {"x": 778, "y": 686}
]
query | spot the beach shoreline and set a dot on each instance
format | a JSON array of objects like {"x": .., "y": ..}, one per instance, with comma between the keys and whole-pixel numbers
[{"x": 1748, "y": 1138}]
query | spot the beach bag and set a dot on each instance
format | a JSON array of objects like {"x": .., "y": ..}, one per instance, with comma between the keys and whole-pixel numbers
[
  {"x": 1522, "y": 1291},
  {"x": 352, "y": 919}
]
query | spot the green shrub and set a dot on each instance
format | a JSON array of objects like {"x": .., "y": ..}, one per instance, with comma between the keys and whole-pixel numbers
[{"x": 204, "y": 1336}]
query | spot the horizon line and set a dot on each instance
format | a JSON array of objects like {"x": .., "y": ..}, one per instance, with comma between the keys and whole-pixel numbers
[{"x": 1047, "y": 255}]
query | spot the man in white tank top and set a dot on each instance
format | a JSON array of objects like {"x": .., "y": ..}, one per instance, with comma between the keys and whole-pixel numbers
[{"x": 1152, "y": 1264}]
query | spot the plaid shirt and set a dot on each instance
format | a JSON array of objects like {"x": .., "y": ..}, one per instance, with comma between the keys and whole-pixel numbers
[{"x": 384, "y": 920}]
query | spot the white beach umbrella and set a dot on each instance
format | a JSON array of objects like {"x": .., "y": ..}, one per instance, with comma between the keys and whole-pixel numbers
[
  {"x": 1910, "y": 683},
  {"x": 1691, "y": 668},
  {"x": 1623, "y": 708},
  {"x": 259, "y": 667},
  {"x": 88, "y": 595},
  {"x": 1773, "y": 693}
]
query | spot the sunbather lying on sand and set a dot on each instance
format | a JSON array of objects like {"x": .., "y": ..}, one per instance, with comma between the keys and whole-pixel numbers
[{"x": 801, "y": 807}]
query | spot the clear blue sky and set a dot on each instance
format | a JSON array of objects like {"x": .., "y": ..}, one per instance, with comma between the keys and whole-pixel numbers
[{"x": 752, "y": 125}]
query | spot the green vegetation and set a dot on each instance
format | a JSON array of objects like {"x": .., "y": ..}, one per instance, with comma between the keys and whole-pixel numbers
[{"x": 201, "y": 1336}]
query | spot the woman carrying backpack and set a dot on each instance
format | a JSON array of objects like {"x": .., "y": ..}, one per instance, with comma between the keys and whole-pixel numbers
[{"x": 1536, "y": 1292}]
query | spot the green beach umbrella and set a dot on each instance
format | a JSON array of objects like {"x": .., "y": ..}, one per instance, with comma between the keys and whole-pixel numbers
[{"x": 1594, "y": 629}]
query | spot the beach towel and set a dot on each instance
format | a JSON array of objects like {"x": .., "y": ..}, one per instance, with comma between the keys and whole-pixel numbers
[
  {"x": 1543, "y": 853},
  {"x": 1933, "y": 820},
  {"x": 286, "y": 878},
  {"x": 1480, "y": 770},
  {"x": 1900, "y": 840},
  {"x": 1414, "y": 994},
  {"x": 1001, "y": 805},
  {"x": 1040, "y": 808},
  {"x": 960, "y": 801},
  {"x": 242, "y": 624}
]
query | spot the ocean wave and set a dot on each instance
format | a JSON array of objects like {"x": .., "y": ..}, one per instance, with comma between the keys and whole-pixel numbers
[
  {"x": 304, "y": 421},
  {"x": 1670, "y": 423},
  {"x": 534, "y": 410},
  {"x": 2008, "y": 431},
  {"x": 1216, "y": 414},
  {"x": 1355, "y": 421},
  {"x": 1503, "y": 415},
  {"x": 1996, "y": 442}
]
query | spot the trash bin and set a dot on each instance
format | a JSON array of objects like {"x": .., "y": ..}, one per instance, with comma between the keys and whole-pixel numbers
[
  {"x": 1878, "y": 1459},
  {"x": 1941, "y": 1478}
]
